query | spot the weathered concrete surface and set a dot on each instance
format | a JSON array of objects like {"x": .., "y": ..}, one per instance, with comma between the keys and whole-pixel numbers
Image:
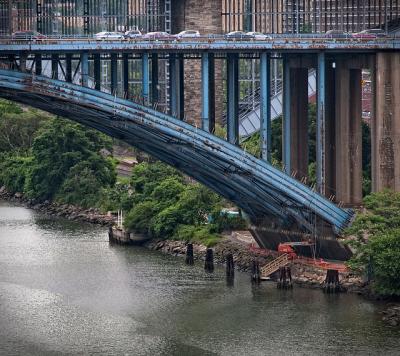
[
  {"x": 386, "y": 123},
  {"x": 348, "y": 135}
]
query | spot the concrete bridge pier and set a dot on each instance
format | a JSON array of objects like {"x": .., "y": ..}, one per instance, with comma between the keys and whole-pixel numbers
[
  {"x": 386, "y": 123},
  {"x": 348, "y": 133},
  {"x": 295, "y": 121}
]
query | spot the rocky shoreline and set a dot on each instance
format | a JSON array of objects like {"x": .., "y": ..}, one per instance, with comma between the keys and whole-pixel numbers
[{"x": 66, "y": 211}]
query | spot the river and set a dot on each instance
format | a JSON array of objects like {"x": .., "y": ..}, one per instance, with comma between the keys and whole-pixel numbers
[{"x": 65, "y": 290}]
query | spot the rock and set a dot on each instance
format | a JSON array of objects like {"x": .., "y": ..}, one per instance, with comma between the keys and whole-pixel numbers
[{"x": 18, "y": 195}]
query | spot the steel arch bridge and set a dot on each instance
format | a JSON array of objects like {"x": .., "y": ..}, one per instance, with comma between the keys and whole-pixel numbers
[{"x": 260, "y": 190}]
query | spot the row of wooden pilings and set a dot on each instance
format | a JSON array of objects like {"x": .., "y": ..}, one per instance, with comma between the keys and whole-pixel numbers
[{"x": 330, "y": 285}]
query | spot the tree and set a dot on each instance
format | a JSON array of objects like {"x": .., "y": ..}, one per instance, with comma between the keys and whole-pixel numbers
[
  {"x": 59, "y": 146},
  {"x": 377, "y": 241}
]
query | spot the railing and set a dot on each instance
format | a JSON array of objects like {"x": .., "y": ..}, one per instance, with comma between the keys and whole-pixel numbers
[{"x": 274, "y": 265}]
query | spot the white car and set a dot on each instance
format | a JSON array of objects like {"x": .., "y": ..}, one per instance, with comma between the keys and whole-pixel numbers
[
  {"x": 259, "y": 36},
  {"x": 133, "y": 34},
  {"x": 109, "y": 36},
  {"x": 188, "y": 34}
]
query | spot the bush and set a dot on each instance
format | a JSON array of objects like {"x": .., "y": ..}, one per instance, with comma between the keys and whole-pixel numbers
[
  {"x": 13, "y": 171},
  {"x": 378, "y": 241},
  {"x": 200, "y": 234}
]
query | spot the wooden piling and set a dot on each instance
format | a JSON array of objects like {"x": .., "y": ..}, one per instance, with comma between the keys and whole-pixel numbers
[
  {"x": 230, "y": 265},
  {"x": 209, "y": 262},
  {"x": 285, "y": 278},
  {"x": 189, "y": 255},
  {"x": 255, "y": 272},
  {"x": 331, "y": 283}
]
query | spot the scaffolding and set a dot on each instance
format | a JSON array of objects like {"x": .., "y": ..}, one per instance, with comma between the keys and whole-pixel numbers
[{"x": 81, "y": 17}]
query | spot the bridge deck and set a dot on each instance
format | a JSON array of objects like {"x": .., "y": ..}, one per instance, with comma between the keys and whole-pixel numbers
[{"x": 280, "y": 44}]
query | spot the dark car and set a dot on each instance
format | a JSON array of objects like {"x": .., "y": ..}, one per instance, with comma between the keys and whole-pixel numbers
[
  {"x": 336, "y": 34},
  {"x": 28, "y": 35},
  {"x": 239, "y": 35}
]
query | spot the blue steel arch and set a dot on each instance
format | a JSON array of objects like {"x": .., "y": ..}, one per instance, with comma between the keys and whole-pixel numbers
[{"x": 258, "y": 188}]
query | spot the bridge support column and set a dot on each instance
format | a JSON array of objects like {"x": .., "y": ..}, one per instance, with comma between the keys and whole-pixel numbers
[
  {"x": 321, "y": 124},
  {"x": 22, "y": 62},
  {"x": 38, "y": 64},
  {"x": 97, "y": 71},
  {"x": 85, "y": 69},
  {"x": 114, "y": 73},
  {"x": 287, "y": 118},
  {"x": 54, "y": 66},
  {"x": 205, "y": 94},
  {"x": 145, "y": 78},
  {"x": 233, "y": 98},
  {"x": 348, "y": 135},
  {"x": 386, "y": 124},
  {"x": 176, "y": 86},
  {"x": 68, "y": 67},
  {"x": 125, "y": 75},
  {"x": 265, "y": 109},
  {"x": 154, "y": 78},
  {"x": 299, "y": 122}
]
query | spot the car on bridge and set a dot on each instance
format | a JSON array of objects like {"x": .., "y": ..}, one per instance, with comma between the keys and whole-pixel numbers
[
  {"x": 159, "y": 36},
  {"x": 188, "y": 34},
  {"x": 238, "y": 35},
  {"x": 109, "y": 36},
  {"x": 27, "y": 35},
  {"x": 132, "y": 34},
  {"x": 370, "y": 33},
  {"x": 337, "y": 34},
  {"x": 259, "y": 36}
]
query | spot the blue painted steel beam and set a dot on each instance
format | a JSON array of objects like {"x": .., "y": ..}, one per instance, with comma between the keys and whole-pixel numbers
[
  {"x": 97, "y": 71},
  {"x": 54, "y": 66},
  {"x": 176, "y": 85},
  {"x": 84, "y": 69},
  {"x": 321, "y": 115},
  {"x": 265, "y": 106},
  {"x": 286, "y": 117},
  {"x": 244, "y": 169},
  {"x": 145, "y": 78},
  {"x": 114, "y": 73},
  {"x": 233, "y": 98},
  {"x": 205, "y": 94},
  {"x": 154, "y": 78}
]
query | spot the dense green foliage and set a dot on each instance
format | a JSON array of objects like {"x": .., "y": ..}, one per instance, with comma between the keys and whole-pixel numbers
[
  {"x": 51, "y": 158},
  {"x": 377, "y": 232},
  {"x": 166, "y": 205}
]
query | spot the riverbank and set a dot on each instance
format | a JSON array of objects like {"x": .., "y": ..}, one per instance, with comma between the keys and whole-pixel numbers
[{"x": 66, "y": 211}]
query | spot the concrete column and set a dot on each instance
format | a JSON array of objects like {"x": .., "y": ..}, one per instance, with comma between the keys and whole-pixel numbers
[
  {"x": 287, "y": 118},
  {"x": 348, "y": 135},
  {"x": 386, "y": 124},
  {"x": 330, "y": 144},
  {"x": 321, "y": 124},
  {"x": 299, "y": 122}
]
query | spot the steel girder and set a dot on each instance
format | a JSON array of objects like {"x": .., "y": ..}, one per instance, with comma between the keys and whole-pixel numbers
[{"x": 254, "y": 185}]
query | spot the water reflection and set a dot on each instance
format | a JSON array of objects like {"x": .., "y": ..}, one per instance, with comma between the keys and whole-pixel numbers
[{"x": 64, "y": 289}]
